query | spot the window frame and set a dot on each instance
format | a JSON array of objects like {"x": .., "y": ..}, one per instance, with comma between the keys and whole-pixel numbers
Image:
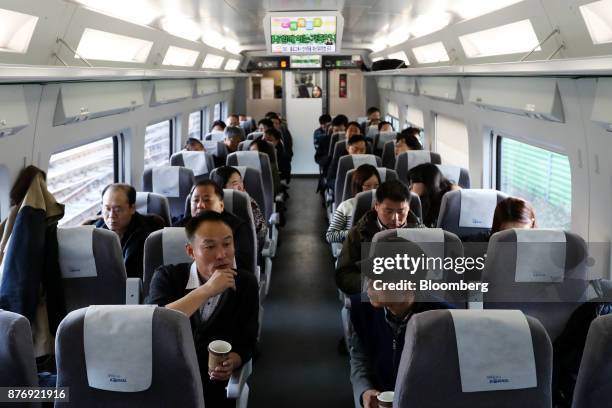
[
  {"x": 172, "y": 131},
  {"x": 436, "y": 135}
]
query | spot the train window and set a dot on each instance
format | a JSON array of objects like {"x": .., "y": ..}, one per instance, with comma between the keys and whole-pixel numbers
[
  {"x": 217, "y": 111},
  {"x": 489, "y": 42},
  {"x": 195, "y": 124},
  {"x": 16, "y": 31},
  {"x": 158, "y": 144},
  {"x": 451, "y": 141},
  {"x": 414, "y": 117},
  {"x": 538, "y": 175},
  {"x": 393, "y": 115},
  {"x": 77, "y": 176}
]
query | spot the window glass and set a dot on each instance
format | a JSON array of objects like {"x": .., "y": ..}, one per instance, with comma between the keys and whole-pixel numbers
[
  {"x": 195, "y": 124},
  {"x": 451, "y": 137},
  {"x": 414, "y": 117},
  {"x": 77, "y": 176},
  {"x": 217, "y": 111},
  {"x": 158, "y": 139},
  {"x": 539, "y": 176}
]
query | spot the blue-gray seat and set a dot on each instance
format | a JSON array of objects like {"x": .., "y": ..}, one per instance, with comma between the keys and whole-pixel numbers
[
  {"x": 152, "y": 203},
  {"x": 407, "y": 160},
  {"x": 201, "y": 163},
  {"x": 172, "y": 182},
  {"x": 17, "y": 359}
]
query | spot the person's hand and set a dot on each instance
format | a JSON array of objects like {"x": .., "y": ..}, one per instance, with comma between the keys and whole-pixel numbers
[
  {"x": 225, "y": 370},
  {"x": 369, "y": 398},
  {"x": 220, "y": 280}
]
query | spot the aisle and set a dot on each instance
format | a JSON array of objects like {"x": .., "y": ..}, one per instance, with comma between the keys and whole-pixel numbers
[{"x": 299, "y": 364}]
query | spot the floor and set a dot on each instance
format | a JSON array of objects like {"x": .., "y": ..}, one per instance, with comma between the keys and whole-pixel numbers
[{"x": 299, "y": 365}]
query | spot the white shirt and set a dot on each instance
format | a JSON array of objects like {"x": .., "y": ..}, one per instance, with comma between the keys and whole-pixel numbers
[{"x": 208, "y": 308}]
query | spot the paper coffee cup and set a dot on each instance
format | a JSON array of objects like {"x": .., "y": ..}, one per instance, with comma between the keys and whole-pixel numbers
[
  {"x": 218, "y": 351},
  {"x": 385, "y": 399}
]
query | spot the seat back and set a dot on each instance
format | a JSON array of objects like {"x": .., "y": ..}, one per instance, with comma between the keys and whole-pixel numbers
[
  {"x": 91, "y": 266},
  {"x": 244, "y": 146},
  {"x": 541, "y": 272},
  {"x": 254, "y": 135},
  {"x": 407, "y": 160},
  {"x": 201, "y": 163},
  {"x": 17, "y": 359},
  {"x": 335, "y": 138},
  {"x": 365, "y": 201},
  {"x": 239, "y": 204},
  {"x": 152, "y": 203},
  {"x": 388, "y": 155},
  {"x": 456, "y": 175},
  {"x": 260, "y": 162},
  {"x": 172, "y": 182},
  {"x": 350, "y": 162},
  {"x": 120, "y": 356},
  {"x": 216, "y": 136},
  {"x": 593, "y": 382},
  {"x": 253, "y": 185},
  {"x": 371, "y": 132},
  {"x": 468, "y": 212},
  {"x": 163, "y": 247},
  {"x": 384, "y": 173},
  {"x": 381, "y": 138},
  {"x": 481, "y": 359}
]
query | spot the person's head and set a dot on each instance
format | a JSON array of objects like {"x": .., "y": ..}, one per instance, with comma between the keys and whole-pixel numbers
[
  {"x": 356, "y": 145},
  {"x": 385, "y": 126},
  {"x": 352, "y": 129},
  {"x": 264, "y": 124},
  {"x": 261, "y": 145},
  {"x": 242, "y": 118},
  {"x": 276, "y": 122},
  {"x": 273, "y": 136},
  {"x": 233, "y": 120},
  {"x": 365, "y": 178},
  {"x": 407, "y": 140},
  {"x": 206, "y": 195},
  {"x": 22, "y": 183},
  {"x": 373, "y": 114},
  {"x": 303, "y": 91},
  {"x": 210, "y": 242},
  {"x": 218, "y": 126},
  {"x": 233, "y": 136},
  {"x": 428, "y": 182},
  {"x": 392, "y": 203},
  {"x": 513, "y": 213},
  {"x": 339, "y": 123},
  {"x": 324, "y": 120},
  {"x": 118, "y": 206},
  {"x": 272, "y": 115},
  {"x": 317, "y": 92},
  {"x": 228, "y": 177},
  {"x": 194, "y": 145}
]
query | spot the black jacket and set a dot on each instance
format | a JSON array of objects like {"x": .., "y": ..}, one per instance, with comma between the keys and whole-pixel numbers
[
  {"x": 348, "y": 273},
  {"x": 132, "y": 242}
]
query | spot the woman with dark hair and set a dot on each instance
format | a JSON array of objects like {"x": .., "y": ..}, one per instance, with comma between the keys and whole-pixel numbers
[
  {"x": 430, "y": 185},
  {"x": 261, "y": 145},
  {"x": 513, "y": 212},
  {"x": 317, "y": 92},
  {"x": 229, "y": 177},
  {"x": 365, "y": 178}
]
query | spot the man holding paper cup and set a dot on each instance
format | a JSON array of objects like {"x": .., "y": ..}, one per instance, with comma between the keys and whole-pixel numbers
[{"x": 222, "y": 303}]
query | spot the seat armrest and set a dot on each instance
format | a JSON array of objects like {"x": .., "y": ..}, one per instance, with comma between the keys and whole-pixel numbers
[
  {"x": 238, "y": 380},
  {"x": 336, "y": 249},
  {"x": 133, "y": 291},
  {"x": 266, "y": 251}
]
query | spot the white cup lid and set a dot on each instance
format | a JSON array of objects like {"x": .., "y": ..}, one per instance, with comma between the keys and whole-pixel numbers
[
  {"x": 220, "y": 346},
  {"x": 386, "y": 396}
]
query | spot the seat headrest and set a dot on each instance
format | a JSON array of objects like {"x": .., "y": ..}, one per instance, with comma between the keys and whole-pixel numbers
[
  {"x": 210, "y": 146},
  {"x": 174, "y": 240},
  {"x": 477, "y": 208},
  {"x": 540, "y": 255},
  {"x": 142, "y": 202},
  {"x": 249, "y": 159},
  {"x": 495, "y": 350},
  {"x": 361, "y": 159},
  {"x": 451, "y": 173},
  {"x": 76, "y": 255},
  {"x": 196, "y": 161},
  {"x": 118, "y": 347},
  {"x": 165, "y": 181},
  {"x": 382, "y": 172},
  {"x": 417, "y": 157}
]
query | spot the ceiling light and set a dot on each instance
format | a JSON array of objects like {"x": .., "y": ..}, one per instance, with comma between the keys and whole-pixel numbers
[
  {"x": 100, "y": 45},
  {"x": 212, "y": 61},
  {"x": 429, "y": 23},
  {"x": 231, "y": 64},
  {"x": 598, "y": 19},
  {"x": 467, "y": 9},
  {"x": 180, "y": 57},
  {"x": 430, "y": 53},
  {"x": 181, "y": 26},
  {"x": 495, "y": 41},
  {"x": 135, "y": 11}
]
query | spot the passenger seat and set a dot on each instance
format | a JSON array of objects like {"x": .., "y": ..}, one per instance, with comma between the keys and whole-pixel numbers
[{"x": 172, "y": 182}]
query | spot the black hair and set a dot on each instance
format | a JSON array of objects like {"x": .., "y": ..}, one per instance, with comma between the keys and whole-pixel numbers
[
  {"x": 129, "y": 191},
  {"x": 436, "y": 185},
  {"x": 383, "y": 123},
  {"x": 371, "y": 110},
  {"x": 218, "y": 123},
  {"x": 263, "y": 146},
  {"x": 192, "y": 141},
  {"x": 340, "y": 120},
  {"x": 393, "y": 190},
  {"x": 272, "y": 115},
  {"x": 206, "y": 183},
  {"x": 361, "y": 175},
  {"x": 354, "y": 123},
  {"x": 266, "y": 122},
  {"x": 223, "y": 174},
  {"x": 324, "y": 119},
  {"x": 409, "y": 136},
  {"x": 206, "y": 216},
  {"x": 356, "y": 139},
  {"x": 22, "y": 183},
  {"x": 274, "y": 132}
]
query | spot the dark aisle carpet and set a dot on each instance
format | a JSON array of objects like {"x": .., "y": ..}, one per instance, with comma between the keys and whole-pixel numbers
[{"x": 299, "y": 365}]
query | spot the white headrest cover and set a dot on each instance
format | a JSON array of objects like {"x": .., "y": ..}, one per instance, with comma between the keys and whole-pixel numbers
[
  {"x": 246, "y": 144},
  {"x": 76, "y": 257},
  {"x": 174, "y": 240},
  {"x": 540, "y": 255},
  {"x": 166, "y": 181},
  {"x": 118, "y": 347},
  {"x": 477, "y": 208},
  {"x": 216, "y": 136},
  {"x": 431, "y": 241},
  {"x": 360, "y": 159},
  {"x": 495, "y": 350},
  {"x": 249, "y": 159},
  {"x": 196, "y": 161},
  {"x": 384, "y": 137},
  {"x": 255, "y": 135},
  {"x": 452, "y": 173},
  {"x": 417, "y": 157},
  {"x": 372, "y": 131},
  {"x": 210, "y": 146},
  {"x": 142, "y": 202}
]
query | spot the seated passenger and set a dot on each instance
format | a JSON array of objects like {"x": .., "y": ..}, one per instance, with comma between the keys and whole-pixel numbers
[
  {"x": 428, "y": 182},
  {"x": 120, "y": 216},
  {"x": 233, "y": 136},
  {"x": 385, "y": 126},
  {"x": 355, "y": 145},
  {"x": 379, "y": 325},
  {"x": 233, "y": 120},
  {"x": 194, "y": 145},
  {"x": 264, "y": 124},
  {"x": 352, "y": 129},
  {"x": 365, "y": 178},
  {"x": 511, "y": 212},
  {"x": 338, "y": 124},
  {"x": 284, "y": 161},
  {"x": 218, "y": 126},
  {"x": 207, "y": 195},
  {"x": 321, "y": 131},
  {"x": 407, "y": 140},
  {"x": 261, "y": 145},
  {"x": 221, "y": 303},
  {"x": 285, "y": 134},
  {"x": 373, "y": 114},
  {"x": 229, "y": 177},
  {"x": 391, "y": 211}
]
